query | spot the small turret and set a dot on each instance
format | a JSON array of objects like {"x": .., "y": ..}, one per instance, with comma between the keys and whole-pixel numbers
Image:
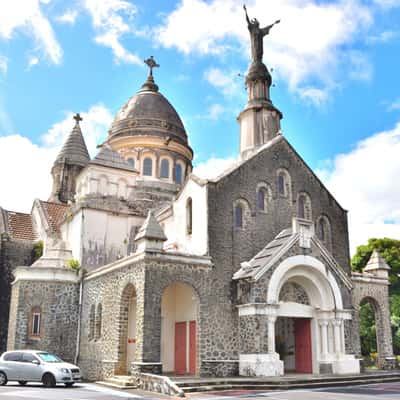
[
  {"x": 150, "y": 236},
  {"x": 72, "y": 158},
  {"x": 377, "y": 265}
]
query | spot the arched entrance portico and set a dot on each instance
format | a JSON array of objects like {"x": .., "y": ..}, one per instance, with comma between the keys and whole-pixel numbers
[
  {"x": 304, "y": 303},
  {"x": 179, "y": 326}
]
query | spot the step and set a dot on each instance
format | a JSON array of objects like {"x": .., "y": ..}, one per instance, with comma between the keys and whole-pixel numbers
[
  {"x": 284, "y": 385},
  {"x": 115, "y": 385},
  {"x": 285, "y": 381}
]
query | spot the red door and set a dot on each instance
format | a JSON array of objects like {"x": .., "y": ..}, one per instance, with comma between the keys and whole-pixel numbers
[
  {"x": 180, "y": 348},
  {"x": 302, "y": 334},
  {"x": 192, "y": 347}
]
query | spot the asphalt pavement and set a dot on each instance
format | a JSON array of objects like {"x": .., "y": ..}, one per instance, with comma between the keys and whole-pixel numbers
[{"x": 84, "y": 391}]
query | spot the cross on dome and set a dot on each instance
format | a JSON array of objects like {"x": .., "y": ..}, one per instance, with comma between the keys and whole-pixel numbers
[{"x": 151, "y": 62}]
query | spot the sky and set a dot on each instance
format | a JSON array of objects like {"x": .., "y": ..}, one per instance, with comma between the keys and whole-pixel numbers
[{"x": 335, "y": 66}]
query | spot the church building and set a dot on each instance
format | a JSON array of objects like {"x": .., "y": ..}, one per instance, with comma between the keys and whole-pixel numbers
[{"x": 146, "y": 268}]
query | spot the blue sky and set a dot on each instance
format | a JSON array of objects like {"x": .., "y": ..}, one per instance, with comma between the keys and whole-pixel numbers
[{"x": 335, "y": 67}]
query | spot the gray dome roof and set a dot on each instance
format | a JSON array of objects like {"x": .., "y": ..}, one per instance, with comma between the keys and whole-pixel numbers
[{"x": 148, "y": 113}]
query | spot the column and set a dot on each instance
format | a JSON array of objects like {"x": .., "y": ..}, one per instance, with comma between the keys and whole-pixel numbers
[
  {"x": 271, "y": 334},
  {"x": 324, "y": 337},
  {"x": 337, "y": 335}
]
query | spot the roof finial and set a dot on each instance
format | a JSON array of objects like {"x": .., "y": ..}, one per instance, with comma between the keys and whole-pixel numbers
[
  {"x": 77, "y": 117},
  {"x": 151, "y": 62}
]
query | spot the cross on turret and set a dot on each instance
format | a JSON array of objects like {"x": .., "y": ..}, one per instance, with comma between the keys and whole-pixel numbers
[
  {"x": 151, "y": 62},
  {"x": 77, "y": 117}
]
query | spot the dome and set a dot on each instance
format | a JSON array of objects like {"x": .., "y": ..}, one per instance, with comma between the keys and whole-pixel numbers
[{"x": 149, "y": 113}]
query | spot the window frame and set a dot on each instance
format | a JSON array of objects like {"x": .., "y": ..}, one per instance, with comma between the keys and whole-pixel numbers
[
  {"x": 162, "y": 163},
  {"x": 150, "y": 159},
  {"x": 35, "y": 323}
]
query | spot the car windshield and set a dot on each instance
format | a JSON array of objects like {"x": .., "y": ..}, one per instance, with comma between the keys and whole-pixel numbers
[{"x": 50, "y": 358}]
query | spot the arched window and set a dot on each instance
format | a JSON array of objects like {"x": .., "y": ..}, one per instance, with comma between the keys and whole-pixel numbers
[
  {"x": 238, "y": 216},
  {"x": 148, "y": 166},
  {"x": 261, "y": 199},
  {"x": 99, "y": 317},
  {"x": 300, "y": 207},
  {"x": 323, "y": 230},
  {"x": 178, "y": 173},
  {"x": 164, "y": 169},
  {"x": 35, "y": 320},
  {"x": 304, "y": 206},
  {"x": 131, "y": 162},
  {"x": 92, "y": 321},
  {"x": 281, "y": 184},
  {"x": 189, "y": 216}
]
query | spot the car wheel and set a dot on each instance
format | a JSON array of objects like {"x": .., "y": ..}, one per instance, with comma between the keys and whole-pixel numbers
[
  {"x": 3, "y": 379},
  {"x": 22, "y": 383},
  {"x": 48, "y": 380},
  {"x": 69, "y": 384}
]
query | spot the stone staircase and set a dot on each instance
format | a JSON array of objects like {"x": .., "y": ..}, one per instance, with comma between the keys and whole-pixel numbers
[
  {"x": 191, "y": 385},
  {"x": 119, "y": 382}
]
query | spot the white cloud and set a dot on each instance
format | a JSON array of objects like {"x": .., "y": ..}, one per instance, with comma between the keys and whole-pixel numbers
[
  {"x": 382, "y": 37},
  {"x": 387, "y": 4},
  {"x": 3, "y": 64},
  {"x": 69, "y": 17},
  {"x": 311, "y": 43},
  {"x": 213, "y": 167},
  {"x": 33, "y": 61},
  {"x": 313, "y": 95},
  {"x": 26, "y": 15},
  {"x": 227, "y": 82},
  {"x": 110, "y": 25},
  {"x": 365, "y": 181},
  {"x": 29, "y": 164},
  {"x": 360, "y": 67},
  {"x": 215, "y": 111}
]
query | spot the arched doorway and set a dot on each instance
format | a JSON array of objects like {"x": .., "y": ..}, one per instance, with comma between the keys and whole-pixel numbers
[
  {"x": 309, "y": 317},
  {"x": 127, "y": 330},
  {"x": 179, "y": 327},
  {"x": 368, "y": 318}
]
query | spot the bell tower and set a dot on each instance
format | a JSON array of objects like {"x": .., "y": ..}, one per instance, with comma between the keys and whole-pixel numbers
[{"x": 260, "y": 119}]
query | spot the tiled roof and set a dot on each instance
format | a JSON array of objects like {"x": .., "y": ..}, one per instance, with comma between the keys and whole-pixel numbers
[
  {"x": 261, "y": 260},
  {"x": 20, "y": 226},
  {"x": 108, "y": 157},
  {"x": 55, "y": 213}
]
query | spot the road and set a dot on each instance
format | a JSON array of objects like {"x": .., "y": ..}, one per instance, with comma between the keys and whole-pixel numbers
[{"x": 384, "y": 391}]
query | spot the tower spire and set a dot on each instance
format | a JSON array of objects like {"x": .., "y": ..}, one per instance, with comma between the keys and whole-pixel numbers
[{"x": 260, "y": 120}]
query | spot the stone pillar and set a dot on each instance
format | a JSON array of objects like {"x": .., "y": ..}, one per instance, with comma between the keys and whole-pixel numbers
[
  {"x": 257, "y": 356},
  {"x": 271, "y": 333},
  {"x": 337, "y": 336},
  {"x": 324, "y": 337}
]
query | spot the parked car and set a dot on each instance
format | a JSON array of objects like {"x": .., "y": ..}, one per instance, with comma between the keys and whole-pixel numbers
[{"x": 37, "y": 366}]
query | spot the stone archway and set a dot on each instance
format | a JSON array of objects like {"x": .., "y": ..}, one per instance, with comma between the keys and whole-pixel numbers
[
  {"x": 179, "y": 328},
  {"x": 127, "y": 329},
  {"x": 375, "y": 291}
]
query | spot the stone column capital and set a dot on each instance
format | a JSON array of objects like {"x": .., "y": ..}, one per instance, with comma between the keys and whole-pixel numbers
[{"x": 323, "y": 322}]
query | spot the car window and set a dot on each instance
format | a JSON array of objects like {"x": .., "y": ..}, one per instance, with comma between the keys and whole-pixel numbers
[
  {"x": 50, "y": 358},
  {"x": 28, "y": 357},
  {"x": 14, "y": 356}
]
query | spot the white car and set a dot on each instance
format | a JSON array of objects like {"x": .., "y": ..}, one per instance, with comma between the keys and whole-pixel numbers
[{"x": 37, "y": 366}]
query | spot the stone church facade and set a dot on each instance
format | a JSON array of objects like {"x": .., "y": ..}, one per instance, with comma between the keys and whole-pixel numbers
[{"x": 148, "y": 268}]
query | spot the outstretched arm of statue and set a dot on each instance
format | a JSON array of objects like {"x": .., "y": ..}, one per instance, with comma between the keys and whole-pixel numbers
[
  {"x": 247, "y": 17},
  {"x": 266, "y": 30}
]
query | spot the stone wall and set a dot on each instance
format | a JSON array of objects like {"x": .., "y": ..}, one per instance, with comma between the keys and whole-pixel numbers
[
  {"x": 12, "y": 254},
  {"x": 59, "y": 305}
]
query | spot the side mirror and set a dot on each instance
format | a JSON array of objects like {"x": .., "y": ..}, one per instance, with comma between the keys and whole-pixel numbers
[{"x": 36, "y": 362}]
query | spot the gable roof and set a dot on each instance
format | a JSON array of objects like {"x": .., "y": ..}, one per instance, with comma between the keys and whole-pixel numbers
[
  {"x": 54, "y": 213},
  {"x": 20, "y": 226},
  {"x": 276, "y": 249}
]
